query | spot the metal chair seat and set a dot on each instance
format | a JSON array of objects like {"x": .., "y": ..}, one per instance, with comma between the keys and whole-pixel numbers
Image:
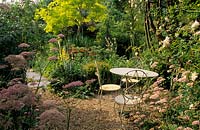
[
  {"x": 110, "y": 87},
  {"x": 127, "y": 100},
  {"x": 130, "y": 80}
]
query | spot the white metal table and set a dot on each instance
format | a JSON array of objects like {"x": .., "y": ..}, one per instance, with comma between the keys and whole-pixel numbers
[{"x": 123, "y": 71}]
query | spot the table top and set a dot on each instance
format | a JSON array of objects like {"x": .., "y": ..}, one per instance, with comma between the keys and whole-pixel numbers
[{"x": 123, "y": 71}]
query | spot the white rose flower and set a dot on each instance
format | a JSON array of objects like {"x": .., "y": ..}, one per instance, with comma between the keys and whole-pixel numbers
[
  {"x": 194, "y": 76},
  {"x": 166, "y": 19},
  {"x": 195, "y": 25},
  {"x": 166, "y": 42}
]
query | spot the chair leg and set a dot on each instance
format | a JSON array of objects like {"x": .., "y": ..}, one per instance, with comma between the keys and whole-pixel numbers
[
  {"x": 100, "y": 108},
  {"x": 121, "y": 116}
]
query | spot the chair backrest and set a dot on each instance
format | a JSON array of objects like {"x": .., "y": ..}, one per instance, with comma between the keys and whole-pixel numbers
[
  {"x": 97, "y": 73},
  {"x": 137, "y": 87}
]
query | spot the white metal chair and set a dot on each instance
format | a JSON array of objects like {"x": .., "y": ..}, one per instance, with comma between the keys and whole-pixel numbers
[
  {"x": 132, "y": 95},
  {"x": 105, "y": 87}
]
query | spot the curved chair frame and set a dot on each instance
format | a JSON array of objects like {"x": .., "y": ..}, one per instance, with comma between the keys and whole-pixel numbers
[
  {"x": 132, "y": 94},
  {"x": 105, "y": 87}
]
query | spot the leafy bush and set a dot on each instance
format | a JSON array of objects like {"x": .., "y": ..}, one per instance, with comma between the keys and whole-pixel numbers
[
  {"x": 75, "y": 14},
  {"x": 17, "y": 26},
  {"x": 175, "y": 58},
  {"x": 123, "y": 26}
]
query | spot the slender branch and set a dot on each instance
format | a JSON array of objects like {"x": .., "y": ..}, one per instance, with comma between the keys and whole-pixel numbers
[{"x": 146, "y": 26}]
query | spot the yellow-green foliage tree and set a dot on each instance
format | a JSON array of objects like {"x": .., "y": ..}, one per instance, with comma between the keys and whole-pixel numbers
[{"x": 67, "y": 13}]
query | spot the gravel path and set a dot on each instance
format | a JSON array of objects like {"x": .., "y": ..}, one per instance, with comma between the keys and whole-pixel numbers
[
  {"x": 87, "y": 115},
  {"x": 36, "y": 80}
]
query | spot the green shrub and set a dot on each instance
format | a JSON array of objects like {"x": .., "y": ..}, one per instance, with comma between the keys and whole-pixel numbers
[
  {"x": 175, "y": 58},
  {"x": 17, "y": 26}
]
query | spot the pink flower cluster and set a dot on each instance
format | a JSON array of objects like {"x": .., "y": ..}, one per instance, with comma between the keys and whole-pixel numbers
[
  {"x": 16, "y": 61},
  {"x": 27, "y": 55},
  {"x": 54, "y": 40},
  {"x": 73, "y": 84},
  {"x": 90, "y": 81},
  {"x": 186, "y": 77},
  {"x": 61, "y": 35},
  {"x": 52, "y": 119},
  {"x": 53, "y": 58},
  {"x": 16, "y": 97},
  {"x": 23, "y": 45}
]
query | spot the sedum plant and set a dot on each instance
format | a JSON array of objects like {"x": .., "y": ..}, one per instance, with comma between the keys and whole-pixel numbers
[{"x": 18, "y": 107}]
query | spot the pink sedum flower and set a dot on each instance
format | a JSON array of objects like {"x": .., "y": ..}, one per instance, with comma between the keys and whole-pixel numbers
[
  {"x": 154, "y": 64},
  {"x": 54, "y": 49},
  {"x": 23, "y": 45},
  {"x": 61, "y": 35},
  {"x": 191, "y": 84},
  {"x": 154, "y": 96},
  {"x": 197, "y": 122},
  {"x": 171, "y": 66},
  {"x": 90, "y": 81},
  {"x": 52, "y": 58},
  {"x": 186, "y": 73},
  {"x": 3, "y": 66},
  {"x": 187, "y": 128},
  {"x": 73, "y": 84},
  {"x": 53, "y": 40},
  {"x": 180, "y": 128},
  {"x": 16, "y": 61},
  {"x": 197, "y": 33},
  {"x": 183, "y": 79},
  {"x": 175, "y": 79},
  {"x": 161, "y": 101},
  {"x": 166, "y": 42}
]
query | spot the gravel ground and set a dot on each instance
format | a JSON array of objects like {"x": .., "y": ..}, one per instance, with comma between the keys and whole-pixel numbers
[{"x": 88, "y": 114}]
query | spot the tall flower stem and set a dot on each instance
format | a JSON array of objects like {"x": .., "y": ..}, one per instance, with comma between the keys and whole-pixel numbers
[
  {"x": 41, "y": 74},
  {"x": 69, "y": 110}
]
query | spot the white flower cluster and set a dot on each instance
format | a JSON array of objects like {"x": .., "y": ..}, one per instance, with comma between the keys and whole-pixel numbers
[
  {"x": 165, "y": 43},
  {"x": 195, "y": 26},
  {"x": 187, "y": 77}
]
